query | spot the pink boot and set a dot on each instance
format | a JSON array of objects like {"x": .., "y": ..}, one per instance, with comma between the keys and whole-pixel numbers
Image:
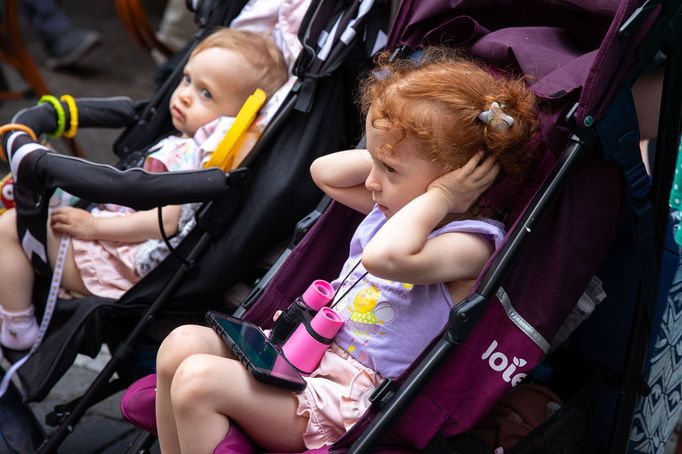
[
  {"x": 138, "y": 404},
  {"x": 19, "y": 329},
  {"x": 235, "y": 442}
]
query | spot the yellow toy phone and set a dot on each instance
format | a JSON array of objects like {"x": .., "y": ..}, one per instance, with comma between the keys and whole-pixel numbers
[{"x": 223, "y": 156}]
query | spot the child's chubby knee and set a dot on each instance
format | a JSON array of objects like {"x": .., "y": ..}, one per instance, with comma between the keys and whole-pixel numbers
[
  {"x": 193, "y": 378},
  {"x": 183, "y": 342},
  {"x": 8, "y": 226},
  {"x": 188, "y": 336}
]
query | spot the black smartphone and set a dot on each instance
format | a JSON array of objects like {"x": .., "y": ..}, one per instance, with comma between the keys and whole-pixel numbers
[{"x": 253, "y": 348}]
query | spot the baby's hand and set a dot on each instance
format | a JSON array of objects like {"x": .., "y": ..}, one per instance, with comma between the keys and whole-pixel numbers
[
  {"x": 461, "y": 187},
  {"x": 74, "y": 222}
]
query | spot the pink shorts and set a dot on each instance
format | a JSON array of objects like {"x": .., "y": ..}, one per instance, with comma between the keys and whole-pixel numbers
[
  {"x": 336, "y": 396},
  {"x": 106, "y": 267}
]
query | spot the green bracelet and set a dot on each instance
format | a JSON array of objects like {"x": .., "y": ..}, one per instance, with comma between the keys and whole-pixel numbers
[{"x": 59, "y": 110}]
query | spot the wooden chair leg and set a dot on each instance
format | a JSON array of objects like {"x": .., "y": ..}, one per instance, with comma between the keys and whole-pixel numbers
[
  {"x": 132, "y": 16},
  {"x": 15, "y": 54}
]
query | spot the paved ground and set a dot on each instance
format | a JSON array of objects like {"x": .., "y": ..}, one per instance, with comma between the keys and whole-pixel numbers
[{"x": 116, "y": 67}]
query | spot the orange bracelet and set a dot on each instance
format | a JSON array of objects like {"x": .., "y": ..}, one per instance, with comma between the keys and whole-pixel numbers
[{"x": 4, "y": 129}]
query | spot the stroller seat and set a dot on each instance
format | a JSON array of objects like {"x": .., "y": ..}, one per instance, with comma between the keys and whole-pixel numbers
[{"x": 137, "y": 402}]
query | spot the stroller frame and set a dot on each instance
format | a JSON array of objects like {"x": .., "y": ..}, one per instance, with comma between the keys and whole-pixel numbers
[
  {"x": 464, "y": 315},
  {"x": 70, "y": 416}
]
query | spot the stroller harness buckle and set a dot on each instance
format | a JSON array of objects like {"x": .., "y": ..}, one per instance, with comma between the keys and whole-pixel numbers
[{"x": 383, "y": 393}]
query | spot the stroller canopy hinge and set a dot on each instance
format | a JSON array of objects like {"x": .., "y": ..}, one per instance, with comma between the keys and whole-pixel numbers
[
  {"x": 463, "y": 317},
  {"x": 583, "y": 134}
]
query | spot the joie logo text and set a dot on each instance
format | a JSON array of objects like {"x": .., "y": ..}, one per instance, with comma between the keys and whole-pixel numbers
[{"x": 499, "y": 362}]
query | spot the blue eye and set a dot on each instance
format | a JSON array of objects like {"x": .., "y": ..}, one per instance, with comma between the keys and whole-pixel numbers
[
  {"x": 186, "y": 79},
  {"x": 206, "y": 94}
]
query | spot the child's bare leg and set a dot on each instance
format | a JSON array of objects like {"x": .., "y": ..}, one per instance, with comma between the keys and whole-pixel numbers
[
  {"x": 16, "y": 284},
  {"x": 209, "y": 391},
  {"x": 180, "y": 344},
  {"x": 16, "y": 279},
  {"x": 19, "y": 326},
  {"x": 71, "y": 276}
]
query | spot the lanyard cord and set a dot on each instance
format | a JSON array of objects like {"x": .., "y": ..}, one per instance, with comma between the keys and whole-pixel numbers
[
  {"x": 337, "y": 299},
  {"x": 167, "y": 242}
]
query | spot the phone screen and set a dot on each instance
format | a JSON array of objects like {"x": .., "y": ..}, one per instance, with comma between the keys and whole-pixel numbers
[{"x": 256, "y": 348}]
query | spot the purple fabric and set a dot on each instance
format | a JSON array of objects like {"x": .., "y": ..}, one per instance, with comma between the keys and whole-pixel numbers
[
  {"x": 319, "y": 255},
  {"x": 388, "y": 324},
  {"x": 415, "y": 19},
  {"x": 570, "y": 243},
  {"x": 571, "y": 51},
  {"x": 138, "y": 407},
  {"x": 235, "y": 442},
  {"x": 588, "y": 27},
  {"x": 138, "y": 404},
  {"x": 542, "y": 53},
  {"x": 495, "y": 355},
  {"x": 459, "y": 31},
  {"x": 613, "y": 61}
]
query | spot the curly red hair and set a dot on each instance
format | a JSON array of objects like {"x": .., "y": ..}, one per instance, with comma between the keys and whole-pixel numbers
[{"x": 437, "y": 98}]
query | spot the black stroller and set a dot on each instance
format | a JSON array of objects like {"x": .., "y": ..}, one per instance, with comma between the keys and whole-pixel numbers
[{"x": 236, "y": 228}]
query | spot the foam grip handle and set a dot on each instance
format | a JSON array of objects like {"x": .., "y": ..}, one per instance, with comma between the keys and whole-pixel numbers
[{"x": 304, "y": 351}]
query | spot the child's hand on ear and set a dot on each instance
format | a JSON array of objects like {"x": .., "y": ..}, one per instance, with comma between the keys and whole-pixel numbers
[{"x": 461, "y": 187}]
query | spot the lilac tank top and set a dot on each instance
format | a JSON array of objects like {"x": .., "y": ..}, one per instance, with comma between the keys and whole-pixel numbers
[{"x": 388, "y": 324}]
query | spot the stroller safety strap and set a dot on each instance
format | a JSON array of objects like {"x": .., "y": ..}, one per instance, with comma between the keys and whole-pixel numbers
[
  {"x": 55, "y": 284},
  {"x": 223, "y": 156}
]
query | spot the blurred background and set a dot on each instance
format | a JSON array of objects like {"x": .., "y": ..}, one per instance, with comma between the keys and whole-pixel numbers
[{"x": 115, "y": 66}]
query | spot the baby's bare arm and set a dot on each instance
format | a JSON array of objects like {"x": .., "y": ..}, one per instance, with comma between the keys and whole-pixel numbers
[
  {"x": 132, "y": 228},
  {"x": 401, "y": 249},
  {"x": 342, "y": 177}
]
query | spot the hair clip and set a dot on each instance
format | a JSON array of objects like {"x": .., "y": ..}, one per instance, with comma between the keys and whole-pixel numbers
[{"x": 495, "y": 113}]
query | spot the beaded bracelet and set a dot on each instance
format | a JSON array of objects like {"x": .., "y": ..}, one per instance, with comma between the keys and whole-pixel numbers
[
  {"x": 73, "y": 116},
  {"x": 59, "y": 110},
  {"x": 4, "y": 129}
]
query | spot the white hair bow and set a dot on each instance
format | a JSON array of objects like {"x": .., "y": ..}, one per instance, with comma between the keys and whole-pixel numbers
[{"x": 495, "y": 112}]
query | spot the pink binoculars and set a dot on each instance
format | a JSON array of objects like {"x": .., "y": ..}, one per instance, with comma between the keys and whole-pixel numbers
[{"x": 304, "y": 349}]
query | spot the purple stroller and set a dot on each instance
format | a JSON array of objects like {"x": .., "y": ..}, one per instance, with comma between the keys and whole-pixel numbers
[
  {"x": 581, "y": 58},
  {"x": 230, "y": 231}
]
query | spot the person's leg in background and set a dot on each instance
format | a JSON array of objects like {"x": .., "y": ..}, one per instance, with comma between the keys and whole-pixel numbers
[
  {"x": 176, "y": 29},
  {"x": 64, "y": 42}
]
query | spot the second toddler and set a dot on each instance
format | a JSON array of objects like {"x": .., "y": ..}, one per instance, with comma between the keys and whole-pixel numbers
[{"x": 222, "y": 71}]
